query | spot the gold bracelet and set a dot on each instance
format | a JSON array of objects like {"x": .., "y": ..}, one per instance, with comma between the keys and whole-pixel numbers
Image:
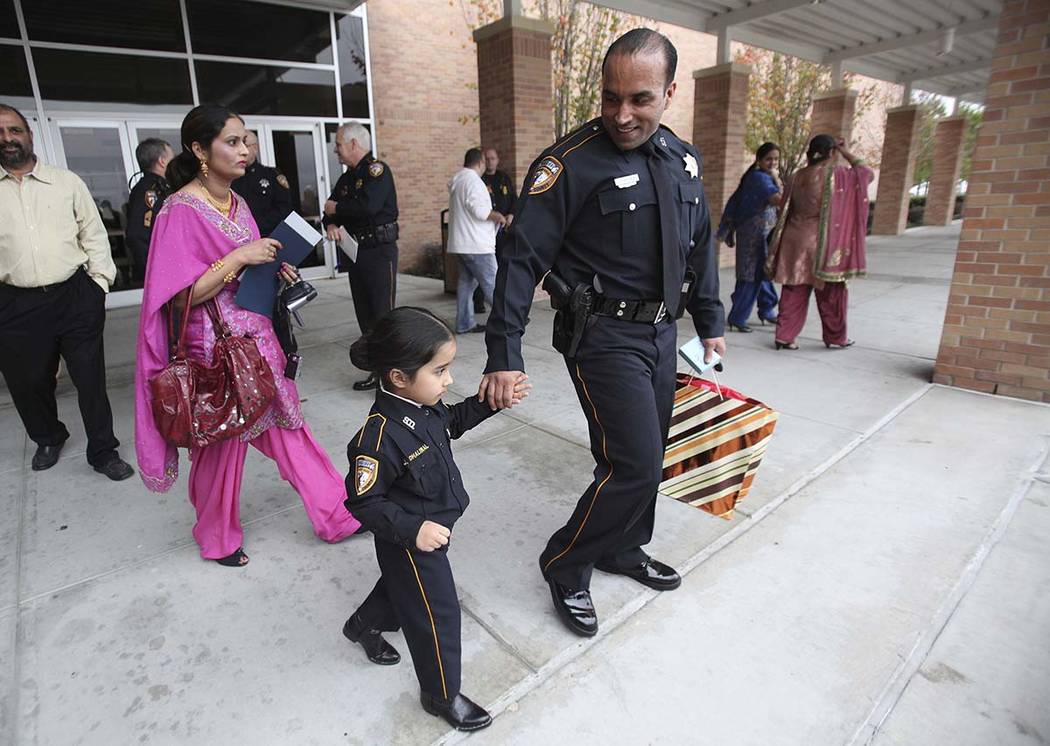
[
  {"x": 230, "y": 277},
  {"x": 217, "y": 265}
]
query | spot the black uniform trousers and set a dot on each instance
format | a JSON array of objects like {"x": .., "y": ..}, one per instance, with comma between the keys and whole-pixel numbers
[
  {"x": 417, "y": 594},
  {"x": 373, "y": 283},
  {"x": 624, "y": 373},
  {"x": 36, "y": 326}
]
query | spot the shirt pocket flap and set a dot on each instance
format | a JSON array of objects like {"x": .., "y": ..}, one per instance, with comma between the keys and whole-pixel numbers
[
  {"x": 622, "y": 200},
  {"x": 690, "y": 192}
]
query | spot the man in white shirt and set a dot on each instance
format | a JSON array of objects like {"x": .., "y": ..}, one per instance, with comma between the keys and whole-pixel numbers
[{"x": 472, "y": 227}]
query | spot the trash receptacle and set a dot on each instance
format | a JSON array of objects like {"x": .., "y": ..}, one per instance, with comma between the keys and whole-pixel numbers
[{"x": 449, "y": 264}]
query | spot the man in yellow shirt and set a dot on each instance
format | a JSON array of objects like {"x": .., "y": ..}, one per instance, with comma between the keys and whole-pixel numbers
[{"x": 55, "y": 271}]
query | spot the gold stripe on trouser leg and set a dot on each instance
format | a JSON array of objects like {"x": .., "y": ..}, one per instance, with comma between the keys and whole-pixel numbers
[{"x": 433, "y": 627}]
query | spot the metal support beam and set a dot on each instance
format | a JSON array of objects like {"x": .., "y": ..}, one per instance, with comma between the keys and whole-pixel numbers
[
  {"x": 936, "y": 72},
  {"x": 722, "y": 56},
  {"x": 752, "y": 12},
  {"x": 911, "y": 40},
  {"x": 836, "y": 75},
  {"x": 906, "y": 95},
  {"x": 511, "y": 8}
]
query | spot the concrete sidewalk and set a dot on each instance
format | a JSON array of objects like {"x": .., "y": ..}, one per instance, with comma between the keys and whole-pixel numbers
[{"x": 887, "y": 581}]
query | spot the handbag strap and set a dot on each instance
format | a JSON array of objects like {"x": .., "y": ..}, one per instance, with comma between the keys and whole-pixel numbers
[
  {"x": 184, "y": 322},
  {"x": 217, "y": 321}
]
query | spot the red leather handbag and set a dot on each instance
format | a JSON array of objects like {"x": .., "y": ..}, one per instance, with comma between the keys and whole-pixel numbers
[{"x": 195, "y": 404}]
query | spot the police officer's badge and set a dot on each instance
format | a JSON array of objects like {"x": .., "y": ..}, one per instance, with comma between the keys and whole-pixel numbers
[
  {"x": 545, "y": 175},
  {"x": 282, "y": 181},
  {"x": 503, "y": 189},
  {"x": 359, "y": 183},
  {"x": 691, "y": 166},
  {"x": 366, "y": 469},
  {"x": 375, "y": 170},
  {"x": 151, "y": 198},
  {"x": 264, "y": 183}
]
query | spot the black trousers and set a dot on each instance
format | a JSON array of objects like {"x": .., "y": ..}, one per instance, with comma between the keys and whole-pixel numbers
[
  {"x": 624, "y": 373},
  {"x": 373, "y": 283},
  {"x": 417, "y": 593},
  {"x": 36, "y": 327}
]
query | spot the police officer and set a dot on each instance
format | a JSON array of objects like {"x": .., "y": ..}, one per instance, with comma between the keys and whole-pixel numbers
[
  {"x": 616, "y": 213},
  {"x": 504, "y": 195},
  {"x": 364, "y": 202},
  {"x": 146, "y": 198},
  {"x": 265, "y": 189}
]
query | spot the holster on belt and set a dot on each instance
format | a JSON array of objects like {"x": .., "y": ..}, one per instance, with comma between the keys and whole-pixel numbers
[{"x": 574, "y": 306}]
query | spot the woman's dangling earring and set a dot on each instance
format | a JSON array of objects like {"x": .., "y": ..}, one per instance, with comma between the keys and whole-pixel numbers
[{"x": 204, "y": 168}]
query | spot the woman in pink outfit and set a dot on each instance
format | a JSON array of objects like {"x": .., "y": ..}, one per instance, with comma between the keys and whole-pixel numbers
[
  {"x": 204, "y": 235},
  {"x": 818, "y": 243}
]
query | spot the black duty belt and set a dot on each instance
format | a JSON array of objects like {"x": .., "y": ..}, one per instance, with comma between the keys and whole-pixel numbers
[
  {"x": 386, "y": 233},
  {"x": 641, "y": 311}
]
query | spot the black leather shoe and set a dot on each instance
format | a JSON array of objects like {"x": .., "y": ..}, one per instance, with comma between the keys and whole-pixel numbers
[
  {"x": 116, "y": 469},
  {"x": 377, "y": 649},
  {"x": 460, "y": 712},
  {"x": 575, "y": 608},
  {"x": 46, "y": 456},
  {"x": 652, "y": 573},
  {"x": 371, "y": 382}
]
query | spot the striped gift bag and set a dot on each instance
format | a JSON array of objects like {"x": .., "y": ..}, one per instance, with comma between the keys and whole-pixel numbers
[{"x": 714, "y": 445}]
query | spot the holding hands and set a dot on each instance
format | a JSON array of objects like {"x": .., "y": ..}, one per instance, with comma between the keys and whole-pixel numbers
[{"x": 504, "y": 388}]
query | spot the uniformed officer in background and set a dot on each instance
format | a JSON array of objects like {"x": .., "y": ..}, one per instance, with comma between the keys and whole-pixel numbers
[
  {"x": 364, "y": 202},
  {"x": 615, "y": 213},
  {"x": 504, "y": 195},
  {"x": 145, "y": 199},
  {"x": 265, "y": 189}
]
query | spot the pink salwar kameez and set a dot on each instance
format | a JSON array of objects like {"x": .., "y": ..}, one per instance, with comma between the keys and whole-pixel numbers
[
  {"x": 188, "y": 236},
  {"x": 818, "y": 245}
]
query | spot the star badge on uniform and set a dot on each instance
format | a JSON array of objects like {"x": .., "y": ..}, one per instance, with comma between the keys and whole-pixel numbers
[
  {"x": 282, "y": 181},
  {"x": 691, "y": 166},
  {"x": 545, "y": 175},
  {"x": 375, "y": 170},
  {"x": 366, "y": 469},
  {"x": 264, "y": 183}
]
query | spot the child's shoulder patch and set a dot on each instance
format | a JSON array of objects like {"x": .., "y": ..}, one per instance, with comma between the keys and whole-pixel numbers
[{"x": 366, "y": 471}]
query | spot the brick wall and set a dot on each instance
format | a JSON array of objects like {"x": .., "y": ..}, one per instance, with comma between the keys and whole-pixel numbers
[
  {"x": 720, "y": 124},
  {"x": 944, "y": 177},
  {"x": 997, "y": 327},
  {"x": 899, "y": 150},
  {"x": 424, "y": 85},
  {"x": 833, "y": 113}
]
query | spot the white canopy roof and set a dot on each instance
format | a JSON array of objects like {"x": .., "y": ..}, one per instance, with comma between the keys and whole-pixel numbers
[{"x": 941, "y": 46}]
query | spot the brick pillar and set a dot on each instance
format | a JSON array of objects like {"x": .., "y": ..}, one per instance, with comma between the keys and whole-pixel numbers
[
  {"x": 833, "y": 113},
  {"x": 996, "y": 334},
  {"x": 514, "y": 90},
  {"x": 719, "y": 128},
  {"x": 899, "y": 149},
  {"x": 947, "y": 163}
]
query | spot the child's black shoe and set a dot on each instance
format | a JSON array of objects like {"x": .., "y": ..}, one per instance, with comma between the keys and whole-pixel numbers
[
  {"x": 460, "y": 712},
  {"x": 377, "y": 649}
]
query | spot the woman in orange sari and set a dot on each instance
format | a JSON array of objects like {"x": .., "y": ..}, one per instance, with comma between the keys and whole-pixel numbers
[{"x": 819, "y": 242}]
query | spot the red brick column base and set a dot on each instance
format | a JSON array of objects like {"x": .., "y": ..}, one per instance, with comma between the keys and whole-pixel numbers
[
  {"x": 899, "y": 149},
  {"x": 947, "y": 163},
  {"x": 514, "y": 90},
  {"x": 997, "y": 328},
  {"x": 833, "y": 113},
  {"x": 719, "y": 129}
]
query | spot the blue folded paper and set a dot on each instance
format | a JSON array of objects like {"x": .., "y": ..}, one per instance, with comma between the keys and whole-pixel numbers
[{"x": 260, "y": 282}]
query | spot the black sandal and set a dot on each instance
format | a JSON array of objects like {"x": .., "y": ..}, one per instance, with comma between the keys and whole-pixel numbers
[
  {"x": 237, "y": 559},
  {"x": 785, "y": 345}
]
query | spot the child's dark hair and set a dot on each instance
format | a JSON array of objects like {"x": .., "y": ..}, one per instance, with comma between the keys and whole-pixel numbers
[{"x": 406, "y": 338}]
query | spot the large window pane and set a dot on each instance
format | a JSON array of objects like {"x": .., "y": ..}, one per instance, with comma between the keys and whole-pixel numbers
[
  {"x": 8, "y": 22},
  {"x": 14, "y": 73},
  {"x": 350, "y": 38},
  {"x": 263, "y": 89},
  {"x": 111, "y": 78},
  {"x": 238, "y": 28},
  {"x": 149, "y": 24}
]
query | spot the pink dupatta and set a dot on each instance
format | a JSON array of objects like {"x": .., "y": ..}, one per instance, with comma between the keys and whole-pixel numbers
[{"x": 188, "y": 236}]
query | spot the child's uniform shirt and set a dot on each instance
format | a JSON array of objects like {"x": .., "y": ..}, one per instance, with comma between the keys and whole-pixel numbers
[{"x": 401, "y": 467}]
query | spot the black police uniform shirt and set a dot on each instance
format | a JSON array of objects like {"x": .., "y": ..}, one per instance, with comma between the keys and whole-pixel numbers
[
  {"x": 365, "y": 197},
  {"x": 502, "y": 191},
  {"x": 143, "y": 205},
  {"x": 590, "y": 213},
  {"x": 401, "y": 467},
  {"x": 267, "y": 193}
]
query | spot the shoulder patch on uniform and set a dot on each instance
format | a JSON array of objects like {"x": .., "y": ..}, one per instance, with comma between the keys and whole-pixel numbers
[
  {"x": 151, "y": 198},
  {"x": 545, "y": 174},
  {"x": 282, "y": 180},
  {"x": 366, "y": 471},
  {"x": 375, "y": 170}
]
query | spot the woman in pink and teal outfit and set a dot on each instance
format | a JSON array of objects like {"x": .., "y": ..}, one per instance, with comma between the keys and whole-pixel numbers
[
  {"x": 819, "y": 242},
  {"x": 204, "y": 236}
]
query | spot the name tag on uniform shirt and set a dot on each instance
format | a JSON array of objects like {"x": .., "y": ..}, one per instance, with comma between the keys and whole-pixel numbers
[{"x": 624, "y": 182}]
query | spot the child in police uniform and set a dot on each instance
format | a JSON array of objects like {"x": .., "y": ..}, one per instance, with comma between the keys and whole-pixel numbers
[{"x": 404, "y": 487}]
